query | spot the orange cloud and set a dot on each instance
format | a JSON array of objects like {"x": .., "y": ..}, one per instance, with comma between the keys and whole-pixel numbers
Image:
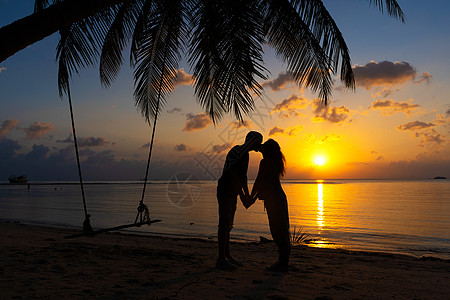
[
  {"x": 416, "y": 125},
  {"x": 238, "y": 124},
  {"x": 390, "y": 107},
  {"x": 196, "y": 122},
  {"x": 290, "y": 131},
  {"x": 424, "y": 77},
  {"x": 218, "y": 149},
  {"x": 384, "y": 93},
  {"x": 324, "y": 112},
  {"x": 183, "y": 78},
  {"x": 7, "y": 125},
  {"x": 38, "y": 129},
  {"x": 288, "y": 107},
  {"x": 379, "y": 157},
  {"x": 429, "y": 137},
  {"x": 181, "y": 148},
  {"x": 329, "y": 138}
]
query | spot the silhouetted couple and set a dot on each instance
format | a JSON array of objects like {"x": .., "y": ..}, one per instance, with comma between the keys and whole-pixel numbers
[{"x": 267, "y": 187}]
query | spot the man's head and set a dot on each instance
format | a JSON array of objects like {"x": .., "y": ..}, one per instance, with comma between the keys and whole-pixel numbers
[{"x": 253, "y": 140}]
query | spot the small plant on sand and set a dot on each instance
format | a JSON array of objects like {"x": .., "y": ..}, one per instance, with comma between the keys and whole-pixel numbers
[{"x": 298, "y": 236}]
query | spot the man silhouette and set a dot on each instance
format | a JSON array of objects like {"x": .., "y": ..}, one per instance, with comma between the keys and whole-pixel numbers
[{"x": 232, "y": 183}]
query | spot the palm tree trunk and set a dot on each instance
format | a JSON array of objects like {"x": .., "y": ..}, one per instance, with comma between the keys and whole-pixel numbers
[{"x": 24, "y": 32}]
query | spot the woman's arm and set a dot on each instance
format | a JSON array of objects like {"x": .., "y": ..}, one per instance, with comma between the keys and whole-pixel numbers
[{"x": 259, "y": 180}]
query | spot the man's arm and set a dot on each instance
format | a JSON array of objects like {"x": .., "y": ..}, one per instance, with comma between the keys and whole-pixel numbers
[{"x": 237, "y": 184}]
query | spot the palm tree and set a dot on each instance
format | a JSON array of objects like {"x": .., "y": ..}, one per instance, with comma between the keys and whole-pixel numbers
[{"x": 222, "y": 40}]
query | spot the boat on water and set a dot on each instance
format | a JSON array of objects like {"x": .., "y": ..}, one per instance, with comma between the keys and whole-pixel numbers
[
  {"x": 440, "y": 177},
  {"x": 18, "y": 179}
]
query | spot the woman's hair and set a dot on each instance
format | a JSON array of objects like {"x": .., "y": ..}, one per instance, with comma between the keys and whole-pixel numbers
[{"x": 272, "y": 151}]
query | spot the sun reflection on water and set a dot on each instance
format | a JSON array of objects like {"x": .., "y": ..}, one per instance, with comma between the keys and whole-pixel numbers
[{"x": 320, "y": 220}]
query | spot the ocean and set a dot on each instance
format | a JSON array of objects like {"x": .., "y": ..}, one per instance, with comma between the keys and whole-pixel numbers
[{"x": 396, "y": 216}]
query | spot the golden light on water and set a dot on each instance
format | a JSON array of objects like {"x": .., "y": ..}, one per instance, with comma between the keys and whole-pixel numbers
[{"x": 320, "y": 221}]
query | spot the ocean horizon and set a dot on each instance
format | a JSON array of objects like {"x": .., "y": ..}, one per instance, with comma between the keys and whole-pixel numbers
[{"x": 405, "y": 216}]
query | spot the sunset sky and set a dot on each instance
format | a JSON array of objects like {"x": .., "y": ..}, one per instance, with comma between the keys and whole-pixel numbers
[{"x": 394, "y": 125}]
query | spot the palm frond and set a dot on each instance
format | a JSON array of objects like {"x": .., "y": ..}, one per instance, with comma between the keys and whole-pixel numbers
[
  {"x": 392, "y": 7},
  {"x": 157, "y": 52},
  {"x": 78, "y": 46},
  {"x": 41, "y": 4},
  {"x": 295, "y": 44},
  {"x": 318, "y": 19},
  {"x": 116, "y": 39},
  {"x": 226, "y": 51}
]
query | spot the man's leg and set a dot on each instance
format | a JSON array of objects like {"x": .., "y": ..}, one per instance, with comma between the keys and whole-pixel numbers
[
  {"x": 227, "y": 241},
  {"x": 223, "y": 233},
  {"x": 222, "y": 240}
]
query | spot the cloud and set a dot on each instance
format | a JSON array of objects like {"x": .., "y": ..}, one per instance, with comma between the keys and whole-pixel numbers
[
  {"x": 92, "y": 141},
  {"x": 66, "y": 140},
  {"x": 440, "y": 119},
  {"x": 288, "y": 107},
  {"x": 275, "y": 130},
  {"x": 379, "y": 157},
  {"x": 429, "y": 137},
  {"x": 181, "y": 148},
  {"x": 174, "y": 110},
  {"x": 424, "y": 77},
  {"x": 196, "y": 122},
  {"x": 390, "y": 107},
  {"x": 244, "y": 124},
  {"x": 290, "y": 131},
  {"x": 3, "y": 69},
  {"x": 7, "y": 125},
  {"x": 218, "y": 149},
  {"x": 324, "y": 112},
  {"x": 280, "y": 82},
  {"x": 384, "y": 93},
  {"x": 384, "y": 73},
  {"x": 415, "y": 125},
  {"x": 183, "y": 78},
  {"x": 38, "y": 129},
  {"x": 86, "y": 142},
  {"x": 329, "y": 138}
]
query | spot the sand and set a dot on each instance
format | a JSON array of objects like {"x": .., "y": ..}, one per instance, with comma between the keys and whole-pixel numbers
[{"x": 38, "y": 262}]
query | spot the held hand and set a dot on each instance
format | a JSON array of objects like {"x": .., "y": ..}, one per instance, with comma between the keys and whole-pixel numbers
[
  {"x": 246, "y": 201},
  {"x": 249, "y": 201}
]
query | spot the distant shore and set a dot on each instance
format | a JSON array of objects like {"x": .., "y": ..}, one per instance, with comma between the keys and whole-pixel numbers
[{"x": 38, "y": 262}]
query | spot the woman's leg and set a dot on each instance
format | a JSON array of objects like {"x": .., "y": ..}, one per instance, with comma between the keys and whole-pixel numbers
[{"x": 279, "y": 228}]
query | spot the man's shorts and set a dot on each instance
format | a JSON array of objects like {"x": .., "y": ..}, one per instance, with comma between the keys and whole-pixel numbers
[{"x": 227, "y": 209}]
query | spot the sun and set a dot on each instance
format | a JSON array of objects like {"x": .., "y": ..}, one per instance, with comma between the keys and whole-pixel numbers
[{"x": 319, "y": 160}]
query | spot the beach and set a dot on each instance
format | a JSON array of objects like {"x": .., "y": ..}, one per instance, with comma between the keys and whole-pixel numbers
[{"x": 38, "y": 262}]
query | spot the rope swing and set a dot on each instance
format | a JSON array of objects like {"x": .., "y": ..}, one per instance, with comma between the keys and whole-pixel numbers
[{"x": 143, "y": 214}]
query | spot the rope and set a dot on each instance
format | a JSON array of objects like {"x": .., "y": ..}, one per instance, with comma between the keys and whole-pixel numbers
[
  {"x": 142, "y": 208},
  {"x": 87, "y": 228}
]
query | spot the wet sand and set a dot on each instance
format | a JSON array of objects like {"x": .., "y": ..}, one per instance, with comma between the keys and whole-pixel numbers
[{"x": 38, "y": 262}]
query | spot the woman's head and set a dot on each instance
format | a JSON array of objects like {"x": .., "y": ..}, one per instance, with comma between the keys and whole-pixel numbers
[{"x": 272, "y": 151}]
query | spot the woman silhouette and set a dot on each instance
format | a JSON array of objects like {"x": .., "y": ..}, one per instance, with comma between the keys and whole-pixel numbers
[{"x": 267, "y": 187}]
